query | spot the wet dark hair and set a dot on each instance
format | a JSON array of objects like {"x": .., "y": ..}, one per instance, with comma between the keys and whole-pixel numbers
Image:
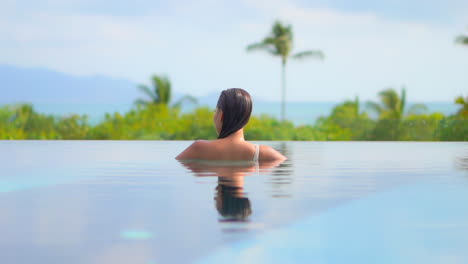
[
  {"x": 230, "y": 206},
  {"x": 236, "y": 105}
]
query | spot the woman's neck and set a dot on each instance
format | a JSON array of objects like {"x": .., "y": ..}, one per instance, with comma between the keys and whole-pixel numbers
[{"x": 236, "y": 136}]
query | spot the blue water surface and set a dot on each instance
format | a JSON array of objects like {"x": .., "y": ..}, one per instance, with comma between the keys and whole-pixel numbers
[{"x": 330, "y": 202}]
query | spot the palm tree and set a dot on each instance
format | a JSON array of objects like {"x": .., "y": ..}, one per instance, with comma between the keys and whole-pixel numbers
[
  {"x": 279, "y": 43},
  {"x": 393, "y": 105},
  {"x": 160, "y": 94}
]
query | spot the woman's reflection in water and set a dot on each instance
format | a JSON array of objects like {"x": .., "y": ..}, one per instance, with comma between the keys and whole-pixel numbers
[{"x": 231, "y": 200}]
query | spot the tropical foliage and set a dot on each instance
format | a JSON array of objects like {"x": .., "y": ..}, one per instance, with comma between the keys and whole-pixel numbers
[
  {"x": 160, "y": 93},
  {"x": 391, "y": 112},
  {"x": 393, "y": 106},
  {"x": 347, "y": 121},
  {"x": 455, "y": 128},
  {"x": 23, "y": 122},
  {"x": 280, "y": 43}
]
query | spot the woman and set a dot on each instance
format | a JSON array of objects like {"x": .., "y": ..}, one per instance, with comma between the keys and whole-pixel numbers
[{"x": 232, "y": 114}]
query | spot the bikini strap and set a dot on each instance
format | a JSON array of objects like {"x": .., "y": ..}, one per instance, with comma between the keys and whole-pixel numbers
[{"x": 257, "y": 152}]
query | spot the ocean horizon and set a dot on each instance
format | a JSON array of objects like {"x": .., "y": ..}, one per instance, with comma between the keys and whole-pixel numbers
[{"x": 300, "y": 113}]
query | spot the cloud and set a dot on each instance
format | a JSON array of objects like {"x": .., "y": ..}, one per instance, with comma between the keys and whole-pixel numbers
[
  {"x": 78, "y": 44},
  {"x": 366, "y": 53},
  {"x": 201, "y": 45}
]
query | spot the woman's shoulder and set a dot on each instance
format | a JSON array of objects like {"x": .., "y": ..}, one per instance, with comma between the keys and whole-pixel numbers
[
  {"x": 268, "y": 153},
  {"x": 201, "y": 143},
  {"x": 194, "y": 150}
]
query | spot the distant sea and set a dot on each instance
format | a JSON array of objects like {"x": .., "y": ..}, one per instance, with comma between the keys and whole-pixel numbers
[
  {"x": 37, "y": 85},
  {"x": 299, "y": 113}
]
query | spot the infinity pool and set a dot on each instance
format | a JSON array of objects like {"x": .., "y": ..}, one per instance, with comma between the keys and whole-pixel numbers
[{"x": 330, "y": 202}]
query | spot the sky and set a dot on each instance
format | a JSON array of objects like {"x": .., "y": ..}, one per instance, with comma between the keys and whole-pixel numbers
[{"x": 369, "y": 45}]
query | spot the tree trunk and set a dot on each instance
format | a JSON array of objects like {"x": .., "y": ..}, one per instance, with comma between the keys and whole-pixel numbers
[{"x": 283, "y": 92}]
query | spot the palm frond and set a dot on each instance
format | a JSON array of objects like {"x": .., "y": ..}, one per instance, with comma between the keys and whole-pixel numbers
[
  {"x": 279, "y": 30},
  {"x": 308, "y": 54},
  {"x": 141, "y": 102},
  {"x": 375, "y": 107},
  {"x": 270, "y": 41},
  {"x": 270, "y": 48},
  {"x": 146, "y": 90},
  {"x": 278, "y": 42},
  {"x": 163, "y": 89},
  {"x": 185, "y": 98},
  {"x": 389, "y": 99},
  {"x": 257, "y": 46}
]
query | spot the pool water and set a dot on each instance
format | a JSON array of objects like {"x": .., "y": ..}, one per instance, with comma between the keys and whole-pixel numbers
[{"x": 330, "y": 202}]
